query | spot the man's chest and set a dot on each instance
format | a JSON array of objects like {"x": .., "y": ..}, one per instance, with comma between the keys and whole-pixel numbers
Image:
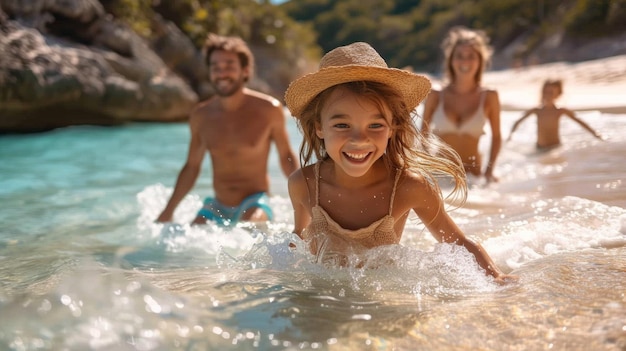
[{"x": 236, "y": 136}]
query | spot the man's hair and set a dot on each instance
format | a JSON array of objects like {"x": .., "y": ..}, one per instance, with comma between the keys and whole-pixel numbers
[{"x": 215, "y": 42}]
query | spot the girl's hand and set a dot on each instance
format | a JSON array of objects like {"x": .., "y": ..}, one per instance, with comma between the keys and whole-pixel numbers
[{"x": 506, "y": 278}]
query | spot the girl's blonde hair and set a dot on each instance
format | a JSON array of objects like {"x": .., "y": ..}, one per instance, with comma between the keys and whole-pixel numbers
[
  {"x": 407, "y": 149},
  {"x": 477, "y": 39}
]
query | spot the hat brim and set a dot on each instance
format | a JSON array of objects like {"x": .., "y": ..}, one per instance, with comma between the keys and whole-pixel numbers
[{"x": 412, "y": 87}]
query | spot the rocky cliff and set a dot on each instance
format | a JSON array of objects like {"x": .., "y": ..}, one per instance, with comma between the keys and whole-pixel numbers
[{"x": 67, "y": 62}]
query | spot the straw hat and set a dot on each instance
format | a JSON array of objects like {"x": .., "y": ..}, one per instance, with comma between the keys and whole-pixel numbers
[{"x": 354, "y": 62}]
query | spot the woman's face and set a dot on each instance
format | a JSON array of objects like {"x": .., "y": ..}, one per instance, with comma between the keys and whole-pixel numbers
[
  {"x": 354, "y": 130},
  {"x": 465, "y": 61}
]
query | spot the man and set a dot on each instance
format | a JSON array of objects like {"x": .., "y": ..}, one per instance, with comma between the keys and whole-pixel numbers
[{"x": 236, "y": 126}]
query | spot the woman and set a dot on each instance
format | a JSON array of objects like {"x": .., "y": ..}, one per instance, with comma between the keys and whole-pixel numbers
[{"x": 458, "y": 113}]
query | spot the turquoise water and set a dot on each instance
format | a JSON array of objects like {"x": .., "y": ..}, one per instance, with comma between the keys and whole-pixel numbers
[{"x": 83, "y": 266}]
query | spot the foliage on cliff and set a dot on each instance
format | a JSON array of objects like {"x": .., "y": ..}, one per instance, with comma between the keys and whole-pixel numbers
[
  {"x": 272, "y": 34},
  {"x": 405, "y": 32},
  {"x": 408, "y": 32}
]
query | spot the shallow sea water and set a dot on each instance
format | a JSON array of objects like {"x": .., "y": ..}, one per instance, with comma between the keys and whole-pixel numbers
[{"x": 83, "y": 266}]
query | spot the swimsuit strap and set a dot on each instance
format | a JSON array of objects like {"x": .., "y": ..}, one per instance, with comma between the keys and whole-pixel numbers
[
  {"x": 317, "y": 187},
  {"x": 317, "y": 184},
  {"x": 393, "y": 192}
]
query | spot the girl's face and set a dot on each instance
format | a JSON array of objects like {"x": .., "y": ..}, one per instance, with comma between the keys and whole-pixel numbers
[
  {"x": 465, "y": 60},
  {"x": 354, "y": 130}
]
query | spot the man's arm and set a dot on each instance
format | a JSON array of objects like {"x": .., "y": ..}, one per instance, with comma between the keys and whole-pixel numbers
[
  {"x": 188, "y": 174},
  {"x": 298, "y": 193},
  {"x": 288, "y": 160}
]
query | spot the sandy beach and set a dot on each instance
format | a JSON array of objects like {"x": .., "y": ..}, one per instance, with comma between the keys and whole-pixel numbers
[{"x": 590, "y": 85}]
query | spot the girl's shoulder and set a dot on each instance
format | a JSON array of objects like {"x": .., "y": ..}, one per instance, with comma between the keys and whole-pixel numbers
[
  {"x": 414, "y": 188},
  {"x": 302, "y": 175},
  {"x": 410, "y": 180}
]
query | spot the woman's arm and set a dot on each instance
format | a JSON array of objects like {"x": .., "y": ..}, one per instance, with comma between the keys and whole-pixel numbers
[
  {"x": 493, "y": 115},
  {"x": 432, "y": 100}
]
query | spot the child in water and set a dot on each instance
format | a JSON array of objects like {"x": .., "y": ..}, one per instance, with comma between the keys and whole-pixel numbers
[
  {"x": 548, "y": 117},
  {"x": 355, "y": 114}
]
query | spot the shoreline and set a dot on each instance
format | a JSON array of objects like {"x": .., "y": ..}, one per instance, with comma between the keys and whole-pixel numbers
[{"x": 596, "y": 85}]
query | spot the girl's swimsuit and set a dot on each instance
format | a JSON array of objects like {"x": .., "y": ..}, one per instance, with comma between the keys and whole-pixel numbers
[
  {"x": 225, "y": 216},
  {"x": 473, "y": 126},
  {"x": 329, "y": 240}
]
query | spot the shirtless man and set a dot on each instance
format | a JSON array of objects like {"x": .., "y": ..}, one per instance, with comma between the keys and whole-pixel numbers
[
  {"x": 548, "y": 116},
  {"x": 236, "y": 127}
]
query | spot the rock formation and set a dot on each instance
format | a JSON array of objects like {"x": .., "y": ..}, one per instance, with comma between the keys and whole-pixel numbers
[{"x": 67, "y": 62}]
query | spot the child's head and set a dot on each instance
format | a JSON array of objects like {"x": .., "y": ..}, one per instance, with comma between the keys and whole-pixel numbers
[
  {"x": 551, "y": 89},
  {"x": 460, "y": 36},
  {"x": 360, "y": 69},
  {"x": 389, "y": 104}
]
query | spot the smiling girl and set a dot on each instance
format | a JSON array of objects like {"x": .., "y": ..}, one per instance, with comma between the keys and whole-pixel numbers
[{"x": 372, "y": 167}]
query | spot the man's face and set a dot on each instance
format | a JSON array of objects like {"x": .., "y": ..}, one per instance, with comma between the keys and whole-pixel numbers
[{"x": 227, "y": 75}]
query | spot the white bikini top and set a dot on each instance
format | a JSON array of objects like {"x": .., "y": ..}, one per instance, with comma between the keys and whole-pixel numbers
[{"x": 474, "y": 125}]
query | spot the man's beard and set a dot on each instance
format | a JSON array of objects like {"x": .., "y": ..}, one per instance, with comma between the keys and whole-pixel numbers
[{"x": 230, "y": 90}]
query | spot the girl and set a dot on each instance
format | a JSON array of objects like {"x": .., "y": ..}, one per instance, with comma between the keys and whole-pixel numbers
[
  {"x": 372, "y": 169},
  {"x": 458, "y": 113},
  {"x": 549, "y": 116}
]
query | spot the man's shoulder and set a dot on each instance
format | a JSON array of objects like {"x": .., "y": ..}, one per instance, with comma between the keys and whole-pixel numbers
[
  {"x": 203, "y": 106},
  {"x": 262, "y": 98}
]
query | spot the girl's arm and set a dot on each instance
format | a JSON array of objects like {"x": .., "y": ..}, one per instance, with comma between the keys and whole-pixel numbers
[
  {"x": 517, "y": 123},
  {"x": 430, "y": 209},
  {"x": 572, "y": 115}
]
